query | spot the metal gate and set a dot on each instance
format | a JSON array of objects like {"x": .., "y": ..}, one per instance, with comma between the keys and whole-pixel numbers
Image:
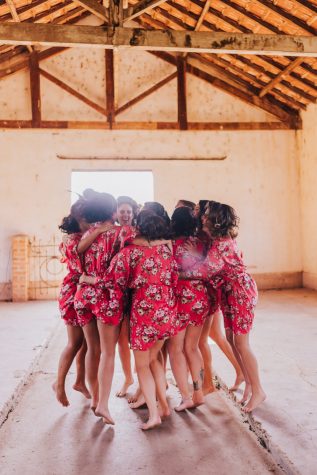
[{"x": 46, "y": 271}]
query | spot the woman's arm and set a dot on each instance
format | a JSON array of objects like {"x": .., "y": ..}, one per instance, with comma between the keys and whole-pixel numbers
[
  {"x": 206, "y": 269},
  {"x": 87, "y": 241}
]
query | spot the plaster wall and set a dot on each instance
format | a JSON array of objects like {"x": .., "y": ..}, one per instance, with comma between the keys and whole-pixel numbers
[
  {"x": 308, "y": 173},
  {"x": 259, "y": 175}
]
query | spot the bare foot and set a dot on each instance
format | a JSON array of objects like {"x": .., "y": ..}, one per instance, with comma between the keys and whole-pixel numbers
[
  {"x": 151, "y": 423},
  {"x": 135, "y": 396},
  {"x": 139, "y": 403},
  {"x": 82, "y": 388},
  {"x": 105, "y": 414},
  {"x": 60, "y": 395},
  {"x": 239, "y": 380},
  {"x": 187, "y": 403},
  {"x": 164, "y": 411},
  {"x": 198, "y": 398},
  {"x": 247, "y": 393},
  {"x": 123, "y": 390},
  {"x": 209, "y": 390},
  {"x": 256, "y": 399}
]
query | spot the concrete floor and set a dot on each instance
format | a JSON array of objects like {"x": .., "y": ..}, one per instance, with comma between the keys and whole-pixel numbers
[
  {"x": 284, "y": 340},
  {"x": 42, "y": 437}
]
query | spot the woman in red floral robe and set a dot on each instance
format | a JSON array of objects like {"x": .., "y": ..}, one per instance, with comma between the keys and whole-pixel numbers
[
  {"x": 148, "y": 268},
  {"x": 73, "y": 226},
  {"x": 98, "y": 316},
  {"x": 193, "y": 310},
  {"x": 224, "y": 267}
]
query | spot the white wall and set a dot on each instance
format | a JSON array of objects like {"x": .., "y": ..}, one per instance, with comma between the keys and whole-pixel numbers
[
  {"x": 259, "y": 176},
  {"x": 308, "y": 169}
]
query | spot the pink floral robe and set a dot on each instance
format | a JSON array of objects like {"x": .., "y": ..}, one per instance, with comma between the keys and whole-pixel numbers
[
  {"x": 224, "y": 266},
  {"x": 193, "y": 297},
  {"x": 93, "y": 301},
  {"x": 68, "y": 249},
  {"x": 151, "y": 274}
]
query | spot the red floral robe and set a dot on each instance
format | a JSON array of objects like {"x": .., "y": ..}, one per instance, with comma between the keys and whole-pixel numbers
[
  {"x": 193, "y": 297},
  {"x": 224, "y": 265},
  {"x": 151, "y": 274},
  {"x": 93, "y": 300},
  {"x": 68, "y": 249}
]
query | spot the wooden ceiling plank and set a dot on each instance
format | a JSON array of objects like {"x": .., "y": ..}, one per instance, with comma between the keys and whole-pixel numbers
[{"x": 288, "y": 16}]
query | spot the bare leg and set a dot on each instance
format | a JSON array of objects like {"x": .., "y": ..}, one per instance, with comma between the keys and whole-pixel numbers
[
  {"x": 219, "y": 338},
  {"x": 208, "y": 385},
  {"x": 247, "y": 389},
  {"x": 108, "y": 339},
  {"x": 75, "y": 338},
  {"x": 242, "y": 344},
  {"x": 175, "y": 346},
  {"x": 195, "y": 362},
  {"x": 125, "y": 357},
  {"x": 158, "y": 373},
  {"x": 92, "y": 360},
  {"x": 147, "y": 385},
  {"x": 80, "y": 383}
]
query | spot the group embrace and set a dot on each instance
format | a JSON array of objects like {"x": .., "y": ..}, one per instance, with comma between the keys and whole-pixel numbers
[{"x": 155, "y": 285}]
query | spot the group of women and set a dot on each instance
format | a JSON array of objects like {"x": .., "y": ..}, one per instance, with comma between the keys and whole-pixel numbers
[{"x": 158, "y": 286}]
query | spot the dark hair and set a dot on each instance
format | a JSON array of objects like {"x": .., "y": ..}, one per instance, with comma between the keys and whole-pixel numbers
[
  {"x": 151, "y": 226},
  {"x": 70, "y": 223},
  {"x": 98, "y": 207},
  {"x": 158, "y": 209},
  {"x": 188, "y": 204},
  {"x": 222, "y": 220},
  {"x": 183, "y": 222}
]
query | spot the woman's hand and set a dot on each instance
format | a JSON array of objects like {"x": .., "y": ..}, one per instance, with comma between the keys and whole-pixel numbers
[
  {"x": 192, "y": 249},
  {"x": 87, "y": 279}
]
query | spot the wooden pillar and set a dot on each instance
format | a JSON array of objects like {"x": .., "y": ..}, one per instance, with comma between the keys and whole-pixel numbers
[
  {"x": 20, "y": 268},
  {"x": 181, "y": 93},
  {"x": 110, "y": 101},
  {"x": 35, "y": 89}
]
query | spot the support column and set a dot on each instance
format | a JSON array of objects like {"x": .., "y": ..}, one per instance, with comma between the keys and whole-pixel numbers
[{"x": 20, "y": 268}]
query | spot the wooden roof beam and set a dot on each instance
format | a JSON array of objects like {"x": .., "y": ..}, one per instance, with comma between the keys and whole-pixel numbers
[
  {"x": 16, "y": 17},
  {"x": 94, "y": 7},
  {"x": 156, "y": 40},
  {"x": 294, "y": 64},
  {"x": 291, "y": 119},
  {"x": 142, "y": 7}
]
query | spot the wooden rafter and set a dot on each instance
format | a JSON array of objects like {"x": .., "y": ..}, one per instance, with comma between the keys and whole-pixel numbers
[
  {"x": 95, "y": 125},
  {"x": 290, "y": 118},
  {"x": 16, "y": 17},
  {"x": 110, "y": 87},
  {"x": 72, "y": 91},
  {"x": 157, "y": 40},
  {"x": 35, "y": 89},
  {"x": 294, "y": 64},
  {"x": 142, "y": 7},
  {"x": 181, "y": 93},
  {"x": 146, "y": 93},
  {"x": 94, "y": 7},
  {"x": 202, "y": 15}
]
